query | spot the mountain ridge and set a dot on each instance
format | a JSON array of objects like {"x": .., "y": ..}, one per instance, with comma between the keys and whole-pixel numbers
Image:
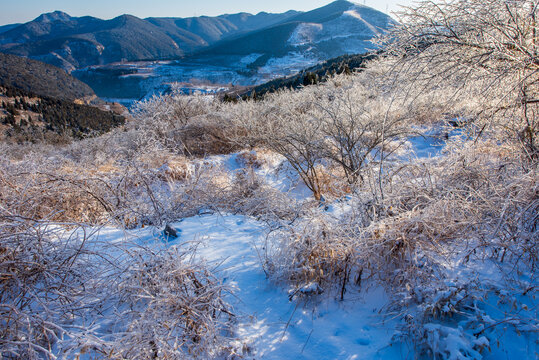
[
  {"x": 339, "y": 28},
  {"x": 73, "y": 43},
  {"x": 76, "y": 42}
]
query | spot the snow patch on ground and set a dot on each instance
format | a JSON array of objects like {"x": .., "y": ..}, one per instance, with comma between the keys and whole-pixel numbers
[
  {"x": 269, "y": 324},
  {"x": 289, "y": 64}
]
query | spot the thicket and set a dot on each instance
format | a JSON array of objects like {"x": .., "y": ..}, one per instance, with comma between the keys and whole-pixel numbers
[
  {"x": 378, "y": 216},
  {"x": 66, "y": 295}
]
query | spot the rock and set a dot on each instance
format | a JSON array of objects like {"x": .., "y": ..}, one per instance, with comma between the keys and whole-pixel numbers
[{"x": 170, "y": 232}]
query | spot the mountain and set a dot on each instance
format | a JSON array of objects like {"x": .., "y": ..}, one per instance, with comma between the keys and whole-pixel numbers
[
  {"x": 248, "y": 22},
  {"x": 41, "y": 79},
  {"x": 72, "y": 43},
  {"x": 5, "y": 28},
  {"x": 339, "y": 28},
  {"x": 245, "y": 58},
  {"x": 207, "y": 30},
  {"x": 77, "y": 42},
  {"x": 204, "y": 53}
]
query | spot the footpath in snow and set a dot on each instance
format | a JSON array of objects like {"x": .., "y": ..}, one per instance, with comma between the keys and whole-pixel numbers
[{"x": 269, "y": 325}]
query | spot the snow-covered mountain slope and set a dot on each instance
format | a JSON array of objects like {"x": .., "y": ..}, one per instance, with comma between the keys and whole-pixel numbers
[
  {"x": 349, "y": 33},
  {"x": 339, "y": 28}
]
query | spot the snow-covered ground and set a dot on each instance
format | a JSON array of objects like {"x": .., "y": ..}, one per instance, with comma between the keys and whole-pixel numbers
[{"x": 272, "y": 324}]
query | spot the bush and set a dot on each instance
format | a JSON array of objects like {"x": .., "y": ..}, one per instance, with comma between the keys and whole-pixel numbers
[{"x": 64, "y": 292}]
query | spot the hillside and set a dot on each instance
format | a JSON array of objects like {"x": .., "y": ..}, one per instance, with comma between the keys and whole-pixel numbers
[
  {"x": 8, "y": 27},
  {"x": 270, "y": 41},
  {"x": 207, "y": 30},
  {"x": 28, "y": 117},
  {"x": 310, "y": 76},
  {"x": 40, "y": 78}
]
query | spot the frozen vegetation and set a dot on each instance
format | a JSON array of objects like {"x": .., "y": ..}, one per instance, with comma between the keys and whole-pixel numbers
[{"x": 387, "y": 214}]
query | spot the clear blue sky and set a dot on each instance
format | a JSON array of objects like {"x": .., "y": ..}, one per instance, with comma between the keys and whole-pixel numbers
[{"x": 15, "y": 11}]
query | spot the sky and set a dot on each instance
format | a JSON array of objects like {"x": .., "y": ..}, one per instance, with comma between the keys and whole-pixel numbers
[{"x": 17, "y": 11}]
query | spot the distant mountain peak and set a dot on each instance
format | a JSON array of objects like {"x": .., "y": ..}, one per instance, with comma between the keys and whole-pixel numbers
[
  {"x": 125, "y": 19},
  {"x": 53, "y": 16}
]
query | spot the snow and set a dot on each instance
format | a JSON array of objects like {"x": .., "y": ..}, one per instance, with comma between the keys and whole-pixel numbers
[
  {"x": 354, "y": 14},
  {"x": 277, "y": 322},
  {"x": 290, "y": 64},
  {"x": 249, "y": 59},
  {"x": 269, "y": 323},
  {"x": 305, "y": 33},
  {"x": 349, "y": 33}
]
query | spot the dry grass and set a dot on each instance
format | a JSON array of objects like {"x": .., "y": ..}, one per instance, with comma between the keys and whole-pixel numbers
[{"x": 142, "y": 301}]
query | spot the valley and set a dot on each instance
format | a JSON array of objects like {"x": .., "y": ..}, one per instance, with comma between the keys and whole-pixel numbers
[{"x": 129, "y": 82}]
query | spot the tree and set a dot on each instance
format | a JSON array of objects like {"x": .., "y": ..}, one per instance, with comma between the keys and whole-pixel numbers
[
  {"x": 299, "y": 140},
  {"x": 358, "y": 122},
  {"x": 331, "y": 129},
  {"x": 288, "y": 127},
  {"x": 488, "y": 46}
]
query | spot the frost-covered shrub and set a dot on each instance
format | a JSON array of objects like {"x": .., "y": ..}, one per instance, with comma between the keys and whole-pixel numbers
[
  {"x": 314, "y": 251},
  {"x": 488, "y": 48},
  {"x": 191, "y": 125},
  {"x": 64, "y": 294},
  {"x": 45, "y": 287},
  {"x": 445, "y": 342},
  {"x": 168, "y": 306}
]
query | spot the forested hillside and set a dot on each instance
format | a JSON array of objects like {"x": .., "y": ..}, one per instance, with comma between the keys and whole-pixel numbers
[
  {"x": 41, "y": 79},
  {"x": 27, "y": 117},
  {"x": 322, "y": 72}
]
